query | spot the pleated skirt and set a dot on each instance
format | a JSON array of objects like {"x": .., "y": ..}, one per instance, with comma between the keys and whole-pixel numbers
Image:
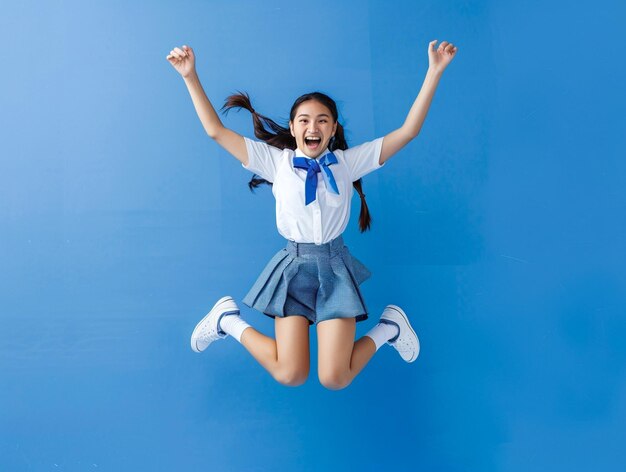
[{"x": 320, "y": 282}]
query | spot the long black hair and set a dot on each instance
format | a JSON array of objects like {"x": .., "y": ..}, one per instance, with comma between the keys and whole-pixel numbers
[{"x": 278, "y": 136}]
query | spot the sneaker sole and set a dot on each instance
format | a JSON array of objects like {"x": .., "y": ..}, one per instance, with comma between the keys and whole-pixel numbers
[
  {"x": 197, "y": 329},
  {"x": 406, "y": 320}
]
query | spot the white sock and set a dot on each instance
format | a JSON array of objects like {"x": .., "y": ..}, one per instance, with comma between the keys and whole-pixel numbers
[
  {"x": 233, "y": 325},
  {"x": 381, "y": 333}
]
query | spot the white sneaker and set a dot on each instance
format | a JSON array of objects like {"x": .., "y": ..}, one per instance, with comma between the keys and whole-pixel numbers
[
  {"x": 406, "y": 341},
  {"x": 208, "y": 330}
]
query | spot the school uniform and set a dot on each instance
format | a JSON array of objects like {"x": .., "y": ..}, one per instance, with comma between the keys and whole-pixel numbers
[{"x": 314, "y": 275}]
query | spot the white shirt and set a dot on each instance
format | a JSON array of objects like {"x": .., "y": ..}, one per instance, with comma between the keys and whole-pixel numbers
[{"x": 327, "y": 216}]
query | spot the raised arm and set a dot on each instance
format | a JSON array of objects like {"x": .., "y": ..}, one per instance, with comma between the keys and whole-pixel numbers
[
  {"x": 184, "y": 61},
  {"x": 438, "y": 60}
]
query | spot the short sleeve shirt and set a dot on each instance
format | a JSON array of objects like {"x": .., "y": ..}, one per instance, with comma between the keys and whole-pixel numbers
[{"x": 327, "y": 216}]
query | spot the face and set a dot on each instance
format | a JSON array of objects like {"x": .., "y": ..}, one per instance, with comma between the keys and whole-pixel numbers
[{"x": 313, "y": 126}]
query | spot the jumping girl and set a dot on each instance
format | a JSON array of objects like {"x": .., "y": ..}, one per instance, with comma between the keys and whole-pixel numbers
[{"x": 314, "y": 279}]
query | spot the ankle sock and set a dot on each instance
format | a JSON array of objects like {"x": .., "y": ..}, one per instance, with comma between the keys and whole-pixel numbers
[
  {"x": 233, "y": 325},
  {"x": 381, "y": 333}
]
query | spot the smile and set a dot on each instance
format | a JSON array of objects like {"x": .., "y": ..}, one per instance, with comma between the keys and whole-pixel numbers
[{"x": 312, "y": 142}]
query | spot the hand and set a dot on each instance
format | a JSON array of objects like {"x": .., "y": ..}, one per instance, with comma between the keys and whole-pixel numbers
[
  {"x": 183, "y": 60},
  {"x": 438, "y": 59}
]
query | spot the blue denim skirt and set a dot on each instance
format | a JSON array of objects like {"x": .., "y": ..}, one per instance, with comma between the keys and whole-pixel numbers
[{"x": 320, "y": 282}]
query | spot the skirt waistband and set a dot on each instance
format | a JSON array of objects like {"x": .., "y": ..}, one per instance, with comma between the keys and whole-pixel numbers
[{"x": 329, "y": 249}]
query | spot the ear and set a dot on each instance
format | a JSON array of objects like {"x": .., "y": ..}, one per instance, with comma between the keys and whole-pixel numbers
[
  {"x": 335, "y": 129},
  {"x": 291, "y": 128}
]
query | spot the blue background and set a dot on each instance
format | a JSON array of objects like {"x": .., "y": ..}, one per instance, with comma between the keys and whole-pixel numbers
[{"x": 500, "y": 230}]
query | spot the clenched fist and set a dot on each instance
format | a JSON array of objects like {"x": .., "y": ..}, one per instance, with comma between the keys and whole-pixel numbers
[{"x": 183, "y": 60}]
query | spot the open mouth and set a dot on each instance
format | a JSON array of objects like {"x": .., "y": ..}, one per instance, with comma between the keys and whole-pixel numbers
[{"x": 312, "y": 143}]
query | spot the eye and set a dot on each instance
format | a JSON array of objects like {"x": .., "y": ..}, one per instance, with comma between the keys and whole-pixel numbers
[{"x": 323, "y": 121}]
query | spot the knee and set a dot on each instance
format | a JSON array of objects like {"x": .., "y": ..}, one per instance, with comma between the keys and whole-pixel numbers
[
  {"x": 334, "y": 379},
  {"x": 292, "y": 376}
]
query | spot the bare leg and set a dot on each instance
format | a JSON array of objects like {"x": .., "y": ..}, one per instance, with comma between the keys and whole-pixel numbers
[
  {"x": 340, "y": 359},
  {"x": 287, "y": 357}
]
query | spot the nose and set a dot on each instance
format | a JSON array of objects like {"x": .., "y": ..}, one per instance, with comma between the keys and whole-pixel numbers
[{"x": 312, "y": 127}]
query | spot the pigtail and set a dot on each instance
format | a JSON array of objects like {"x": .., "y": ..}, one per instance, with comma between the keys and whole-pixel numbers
[
  {"x": 339, "y": 140},
  {"x": 365, "y": 219},
  {"x": 265, "y": 129}
]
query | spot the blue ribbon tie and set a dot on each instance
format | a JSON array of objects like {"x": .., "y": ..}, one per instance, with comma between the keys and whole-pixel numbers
[{"x": 312, "y": 167}]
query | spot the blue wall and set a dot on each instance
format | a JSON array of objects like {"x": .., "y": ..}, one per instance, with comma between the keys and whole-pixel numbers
[{"x": 500, "y": 230}]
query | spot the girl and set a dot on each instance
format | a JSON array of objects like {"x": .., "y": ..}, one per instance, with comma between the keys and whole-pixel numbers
[{"x": 314, "y": 279}]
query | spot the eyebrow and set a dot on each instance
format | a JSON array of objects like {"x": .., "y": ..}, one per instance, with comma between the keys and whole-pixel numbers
[{"x": 320, "y": 115}]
